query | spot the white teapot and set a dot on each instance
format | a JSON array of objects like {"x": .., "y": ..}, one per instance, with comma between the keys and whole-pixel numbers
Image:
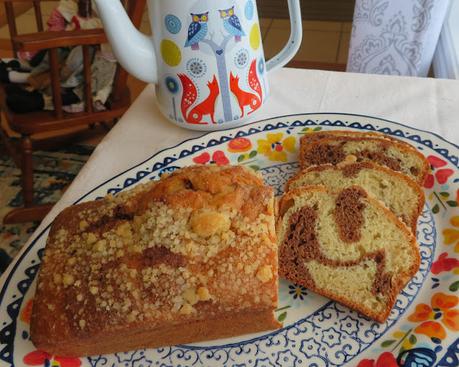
[{"x": 205, "y": 57}]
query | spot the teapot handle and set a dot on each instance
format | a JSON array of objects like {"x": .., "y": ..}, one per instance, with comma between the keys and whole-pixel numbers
[{"x": 294, "y": 42}]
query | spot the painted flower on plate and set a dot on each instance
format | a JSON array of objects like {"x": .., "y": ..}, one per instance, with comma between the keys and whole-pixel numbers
[
  {"x": 349, "y": 325},
  {"x": 386, "y": 359},
  {"x": 275, "y": 147},
  {"x": 239, "y": 145},
  {"x": 26, "y": 312},
  {"x": 451, "y": 235},
  {"x": 218, "y": 157},
  {"x": 444, "y": 264},
  {"x": 331, "y": 337},
  {"x": 297, "y": 291},
  {"x": 286, "y": 358},
  {"x": 438, "y": 172},
  {"x": 40, "y": 358},
  {"x": 441, "y": 313},
  {"x": 310, "y": 347}
]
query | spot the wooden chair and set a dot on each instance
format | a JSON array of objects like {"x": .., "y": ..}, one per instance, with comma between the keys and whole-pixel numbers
[{"x": 57, "y": 122}]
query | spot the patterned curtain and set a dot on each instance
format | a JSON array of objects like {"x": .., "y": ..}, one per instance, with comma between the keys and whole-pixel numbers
[{"x": 395, "y": 37}]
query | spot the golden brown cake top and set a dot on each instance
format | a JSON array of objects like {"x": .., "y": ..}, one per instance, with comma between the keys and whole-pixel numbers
[{"x": 198, "y": 243}]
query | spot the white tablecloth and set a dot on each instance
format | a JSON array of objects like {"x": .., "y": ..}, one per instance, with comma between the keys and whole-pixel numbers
[{"x": 428, "y": 104}]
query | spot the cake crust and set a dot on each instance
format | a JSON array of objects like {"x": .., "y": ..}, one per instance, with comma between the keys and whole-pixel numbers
[{"x": 191, "y": 257}]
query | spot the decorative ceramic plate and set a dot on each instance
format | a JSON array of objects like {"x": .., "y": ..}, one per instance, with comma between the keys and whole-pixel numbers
[{"x": 423, "y": 327}]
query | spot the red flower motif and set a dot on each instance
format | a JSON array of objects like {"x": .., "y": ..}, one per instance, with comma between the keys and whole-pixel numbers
[
  {"x": 436, "y": 162},
  {"x": 218, "y": 157},
  {"x": 40, "y": 358},
  {"x": 441, "y": 175},
  {"x": 444, "y": 263},
  {"x": 36, "y": 358},
  {"x": 386, "y": 359}
]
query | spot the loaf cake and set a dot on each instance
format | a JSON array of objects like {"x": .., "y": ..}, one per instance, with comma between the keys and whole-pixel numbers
[
  {"x": 397, "y": 191},
  {"x": 334, "y": 147},
  {"x": 345, "y": 246},
  {"x": 188, "y": 258}
]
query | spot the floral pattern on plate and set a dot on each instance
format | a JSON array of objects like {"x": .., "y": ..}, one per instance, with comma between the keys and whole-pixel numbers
[{"x": 422, "y": 329}]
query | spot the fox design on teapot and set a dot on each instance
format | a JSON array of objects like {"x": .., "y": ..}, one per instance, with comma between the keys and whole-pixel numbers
[
  {"x": 244, "y": 98},
  {"x": 251, "y": 99},
  {"x": 189, "y": 97}
]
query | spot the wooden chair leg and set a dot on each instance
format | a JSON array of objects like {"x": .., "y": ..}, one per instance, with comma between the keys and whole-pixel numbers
[
  {"x": 32, "y": 214},
  {"x": 29, "y": 213}
]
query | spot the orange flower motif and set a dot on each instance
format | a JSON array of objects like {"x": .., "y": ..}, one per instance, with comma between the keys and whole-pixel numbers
[
  {"x": 442, "y": 313},
  {"x": 27, "y": 312},
  {"x": 239, "y": 145},
  {"x": 451, "y": 235}
]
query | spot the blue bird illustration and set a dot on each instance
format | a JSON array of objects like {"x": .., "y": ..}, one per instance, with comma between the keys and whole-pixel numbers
[
  {"x": 232, "y": 24},
  {"x": 197, "y": 30}
]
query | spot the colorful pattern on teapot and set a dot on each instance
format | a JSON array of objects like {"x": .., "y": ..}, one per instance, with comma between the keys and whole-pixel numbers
[{"x": 215, "y": 64}]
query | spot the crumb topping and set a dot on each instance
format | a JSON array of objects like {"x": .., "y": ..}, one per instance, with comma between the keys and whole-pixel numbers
[{"x": 144, "y": 256}]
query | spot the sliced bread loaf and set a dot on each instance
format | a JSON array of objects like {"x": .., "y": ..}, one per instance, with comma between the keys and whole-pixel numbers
[
  {"x": 325, "y": 134},
  {"x": 397, "y": 191},
  {"x": 335, "y": 147},
  {"x": 345, "y": 246}
]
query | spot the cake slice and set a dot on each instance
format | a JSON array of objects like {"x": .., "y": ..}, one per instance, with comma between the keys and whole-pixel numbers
[
  {"x": 397, "y": 191},
  {"x": 334, "y": 147},
  {"x": 189, "y": 258},
  {"x": 326, "y": 134},
  {"x": 345, "y": 246}
]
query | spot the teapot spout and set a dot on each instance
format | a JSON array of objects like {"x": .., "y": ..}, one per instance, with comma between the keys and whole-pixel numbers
[{"x": 134, "y": 50}]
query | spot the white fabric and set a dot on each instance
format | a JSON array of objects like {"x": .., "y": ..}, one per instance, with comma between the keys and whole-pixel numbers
[
  {"x": 68, "y": 9},
  {"x": 396, "y": 37},
  {"x": 428, "y": 104},
  {"x": 18, "y": 77}
]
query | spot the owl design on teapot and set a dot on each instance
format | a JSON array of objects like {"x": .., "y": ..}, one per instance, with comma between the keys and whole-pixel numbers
[{"x": 197, "y": 30}]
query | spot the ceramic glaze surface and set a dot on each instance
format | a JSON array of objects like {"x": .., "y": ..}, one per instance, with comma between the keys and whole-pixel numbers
[
  {"x": 212, "y": 67},
  {"x": 421, "y": 331}
]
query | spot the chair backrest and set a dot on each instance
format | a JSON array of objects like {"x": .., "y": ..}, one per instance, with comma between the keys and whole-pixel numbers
[{"x": 85, "y": 38}]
